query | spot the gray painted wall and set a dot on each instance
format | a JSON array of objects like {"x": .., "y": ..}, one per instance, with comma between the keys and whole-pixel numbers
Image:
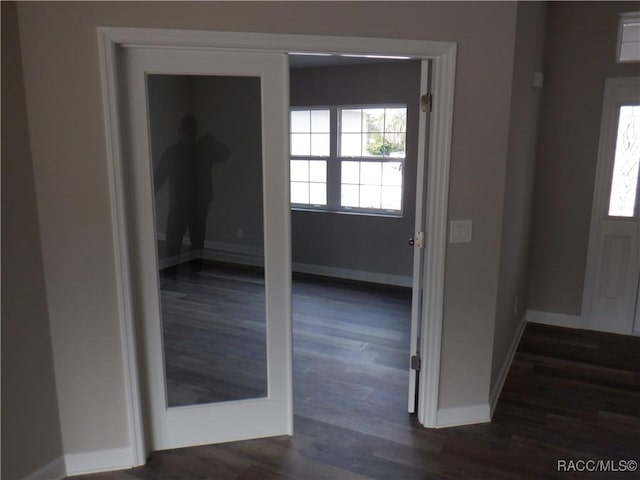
[
  {"x": 30, "y": 424},
  {"x": 63, "y": 91},
  {"x": 358, "y": 242},
  {"x": 581, "y": 46},
  {"x": 518, "y": 193}
]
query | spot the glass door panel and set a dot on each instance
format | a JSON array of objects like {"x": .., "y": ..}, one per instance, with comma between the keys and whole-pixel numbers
[
  {"x": 624, "y": 183},
  {"x": 206, "y": 148},
  {"x": 210, "y": 232}
]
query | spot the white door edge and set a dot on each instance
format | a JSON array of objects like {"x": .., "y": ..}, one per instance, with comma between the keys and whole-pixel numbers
[
  {"x": 418, "y": 249},
  {"x": 443, "y": 55}
]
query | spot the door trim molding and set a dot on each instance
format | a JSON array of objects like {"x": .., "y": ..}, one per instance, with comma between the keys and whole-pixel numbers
[
  {"x": 107, "y": 46},
  {"x": 437, "y": 200},
  {"x": 443, "y": 56}
]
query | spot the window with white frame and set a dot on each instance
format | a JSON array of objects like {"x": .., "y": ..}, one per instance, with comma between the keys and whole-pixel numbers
[
  {"x": 310, "y": 149},
  {"x": 349, "y": 159},
  {"x": 629, "y": 37}
]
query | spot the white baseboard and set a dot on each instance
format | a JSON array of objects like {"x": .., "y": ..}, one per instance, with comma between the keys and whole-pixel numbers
[
  {"x": 218, "y": 251},
  {"x": 458, "y": 416},
  {"x": 502, "y": 376},
  {"x": 555, "y": 319},
  {"x": 358, "y": 275},
  {"x": 54, "y": 470},
  {"x": 99, "y": 461},
  {"x": 230, "y": 253},
  {"x": 178, "y": 259},
  {"x": 252, "y": 256}
]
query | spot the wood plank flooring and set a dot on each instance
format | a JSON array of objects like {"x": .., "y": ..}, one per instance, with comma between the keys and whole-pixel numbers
[{"x": 570, "y": 394}]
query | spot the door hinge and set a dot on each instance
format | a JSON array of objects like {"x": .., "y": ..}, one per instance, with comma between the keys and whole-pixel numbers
[
  {"x": 415, "y": 363},
  {"x": 426, "y": 102}
]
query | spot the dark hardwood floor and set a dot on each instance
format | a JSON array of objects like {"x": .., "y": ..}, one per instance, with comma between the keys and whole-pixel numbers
[{"x": 570, "y": 394}]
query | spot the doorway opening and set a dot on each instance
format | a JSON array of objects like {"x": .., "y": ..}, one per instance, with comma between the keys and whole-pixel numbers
[
  {"x": 251, "y": 55},
  {"x": 354, "y": 162},
  {"x": 353, "y": 126}
]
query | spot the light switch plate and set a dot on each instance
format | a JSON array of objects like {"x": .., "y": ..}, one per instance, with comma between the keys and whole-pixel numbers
[{"x": 460, "y": 231}]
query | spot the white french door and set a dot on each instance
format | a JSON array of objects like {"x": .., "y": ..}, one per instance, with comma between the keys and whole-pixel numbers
[
  {"x": 236, "y": 77},
  {"x": 613, "y": 264},
  {"x": 418, "y": 241}
]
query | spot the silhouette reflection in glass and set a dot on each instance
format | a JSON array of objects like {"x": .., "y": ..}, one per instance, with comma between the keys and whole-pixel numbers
[{"x": 187, "y": 166}]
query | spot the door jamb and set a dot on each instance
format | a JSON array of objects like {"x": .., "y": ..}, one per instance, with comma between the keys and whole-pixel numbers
[{"x": 443, "y": 57}]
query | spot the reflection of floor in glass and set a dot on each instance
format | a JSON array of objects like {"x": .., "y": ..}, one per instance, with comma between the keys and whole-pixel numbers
[
  {"x": 351, "y": 340},
  {"x": 214, "y": 332}
]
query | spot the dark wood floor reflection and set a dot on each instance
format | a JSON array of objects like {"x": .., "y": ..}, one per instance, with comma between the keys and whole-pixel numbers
[
  {"x": 350, "y": 337},
  {"x": 214, "y": 332},
  {"x": 570, "y": 394}
]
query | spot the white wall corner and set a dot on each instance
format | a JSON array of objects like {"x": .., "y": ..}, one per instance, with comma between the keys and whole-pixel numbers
[
  {"x": 467, "y": 415},
  {"x": 555, "y": 319},
  {"x": 506, "y": 366},
  {"x": 99, "y": 461},
  {"x": 54, "y": 470}
]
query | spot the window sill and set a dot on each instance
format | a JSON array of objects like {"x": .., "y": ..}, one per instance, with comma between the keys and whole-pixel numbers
[{"x": 348, "y": 212}]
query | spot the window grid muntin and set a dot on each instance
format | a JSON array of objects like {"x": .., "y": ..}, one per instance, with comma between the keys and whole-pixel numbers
[
  {"x": 299, "y": 180},
  {"x": 364, "y": 130},
  {"x": 628, "y": 44},
  {"x": 298, "y": 185},
  {"x": 382, "y": 185},
  {"x": 334, "y": 164}
]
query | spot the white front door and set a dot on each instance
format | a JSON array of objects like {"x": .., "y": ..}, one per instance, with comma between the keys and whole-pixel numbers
[
  {"x": 613, "y": 263},
  {"x": 191, "y": 112}
]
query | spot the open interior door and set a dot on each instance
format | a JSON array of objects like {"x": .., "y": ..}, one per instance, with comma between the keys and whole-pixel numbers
[
  {"x": 208, "y": 228},
  {"x": 419, "y": 238}
]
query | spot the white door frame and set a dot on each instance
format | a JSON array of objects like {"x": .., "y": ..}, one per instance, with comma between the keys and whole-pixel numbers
[
  {"x": 617, "y": 91},
  {"x": 443, "y": 56},
  {"x": 418, "y": 245}
]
